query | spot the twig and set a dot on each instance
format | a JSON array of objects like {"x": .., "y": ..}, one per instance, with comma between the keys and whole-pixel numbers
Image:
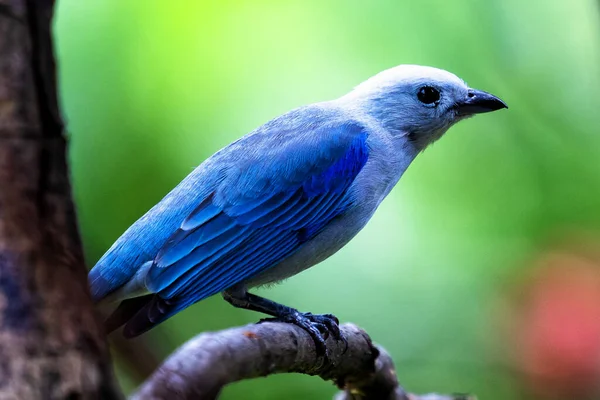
[{"x": 204, "y": 365}]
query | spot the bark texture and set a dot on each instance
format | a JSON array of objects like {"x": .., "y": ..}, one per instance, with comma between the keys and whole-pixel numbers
[
  {"x": 52, "y": 345},
  {"x": 204, "y": 365}
]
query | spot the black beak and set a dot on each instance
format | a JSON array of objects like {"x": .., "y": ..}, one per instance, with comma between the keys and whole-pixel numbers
[{"x": 478, "y": 102}]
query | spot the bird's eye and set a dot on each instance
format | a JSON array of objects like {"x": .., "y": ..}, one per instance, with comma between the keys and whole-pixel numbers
[{"x": 428, "y": 95}]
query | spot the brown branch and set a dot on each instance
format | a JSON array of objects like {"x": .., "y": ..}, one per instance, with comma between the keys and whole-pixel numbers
[
  {"x": 204, "y": 365},
  {"x": 51, "y": 342}
]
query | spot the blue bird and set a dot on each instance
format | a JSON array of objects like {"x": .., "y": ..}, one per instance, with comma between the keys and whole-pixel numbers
[{"x": 279, "y": 200}]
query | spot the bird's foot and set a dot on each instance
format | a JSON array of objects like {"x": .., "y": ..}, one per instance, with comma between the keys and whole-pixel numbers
[{"x": 318, "y": 326}]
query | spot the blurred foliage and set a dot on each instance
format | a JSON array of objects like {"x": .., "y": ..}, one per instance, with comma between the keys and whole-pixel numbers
[{"x": 151, "y": 88}]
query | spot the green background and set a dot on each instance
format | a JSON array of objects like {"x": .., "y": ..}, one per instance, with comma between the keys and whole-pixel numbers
[{"x": 151, "y": 88}]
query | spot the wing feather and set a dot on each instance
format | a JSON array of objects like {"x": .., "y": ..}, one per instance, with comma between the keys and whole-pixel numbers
[{"x": 262, "y": 211}]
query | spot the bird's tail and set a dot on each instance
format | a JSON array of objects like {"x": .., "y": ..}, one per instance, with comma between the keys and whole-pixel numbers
[
  {"x": 139, "y": 314},
  {"x": 126, "y": 310}
]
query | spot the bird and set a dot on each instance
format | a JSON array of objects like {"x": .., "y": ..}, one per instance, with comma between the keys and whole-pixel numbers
[{"x": 279, "y": 200}]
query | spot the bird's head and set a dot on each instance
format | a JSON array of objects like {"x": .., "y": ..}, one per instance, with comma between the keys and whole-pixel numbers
[{"x": 419, "y": 102}]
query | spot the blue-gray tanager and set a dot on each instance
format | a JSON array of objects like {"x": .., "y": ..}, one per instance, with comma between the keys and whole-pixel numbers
[{"x": 279, "y": 200}]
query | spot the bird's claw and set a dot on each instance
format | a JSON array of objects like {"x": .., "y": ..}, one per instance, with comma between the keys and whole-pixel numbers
[
  {"x": 318, "y": 326},
  {"x": 332, "y": 325}
]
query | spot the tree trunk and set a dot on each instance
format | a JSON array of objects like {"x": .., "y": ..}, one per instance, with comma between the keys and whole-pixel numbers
[{"x": 52, "y": 344}]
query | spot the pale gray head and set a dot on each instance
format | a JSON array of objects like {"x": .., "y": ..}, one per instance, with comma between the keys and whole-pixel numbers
[{"x": 419, "y": 102}]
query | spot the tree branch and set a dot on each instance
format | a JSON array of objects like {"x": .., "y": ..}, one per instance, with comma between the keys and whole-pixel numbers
[{"x": 204, "y": 365}]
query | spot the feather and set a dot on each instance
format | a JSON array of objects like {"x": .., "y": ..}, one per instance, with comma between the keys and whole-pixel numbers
[{"x": 262, "y": 211}]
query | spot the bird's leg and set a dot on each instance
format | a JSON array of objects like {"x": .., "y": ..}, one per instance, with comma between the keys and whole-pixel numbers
[{"x": 318, "y": 326}]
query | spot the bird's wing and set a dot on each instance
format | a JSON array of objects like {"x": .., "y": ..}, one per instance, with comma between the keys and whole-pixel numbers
[{"x": 279, "y": 192}]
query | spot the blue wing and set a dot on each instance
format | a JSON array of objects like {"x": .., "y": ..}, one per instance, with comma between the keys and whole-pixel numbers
[{"x": 277, "y": 195}]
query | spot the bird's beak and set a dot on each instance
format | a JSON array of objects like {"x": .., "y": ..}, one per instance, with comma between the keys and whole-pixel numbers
[{"x": 478, "y": 102}]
